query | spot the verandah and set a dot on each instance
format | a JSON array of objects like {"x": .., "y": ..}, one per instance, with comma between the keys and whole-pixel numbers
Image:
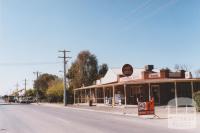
[{"x": 130, "y": 92}]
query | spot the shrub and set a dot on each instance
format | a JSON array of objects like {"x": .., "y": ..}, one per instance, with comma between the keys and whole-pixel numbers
[
  {"x": 55, "y": 91},
  {"x": 197, "y": 100}
]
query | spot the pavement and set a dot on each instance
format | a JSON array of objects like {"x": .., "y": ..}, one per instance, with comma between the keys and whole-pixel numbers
[
  {"x": 160, "y": 111},
  {"x": 42, "y": 118}
]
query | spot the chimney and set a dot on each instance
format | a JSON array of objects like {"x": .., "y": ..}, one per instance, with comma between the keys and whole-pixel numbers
[
  {"x": 164, "y": 73},
  {"x": 145, "y": 75},
  {"x": 182, "y": 73}
]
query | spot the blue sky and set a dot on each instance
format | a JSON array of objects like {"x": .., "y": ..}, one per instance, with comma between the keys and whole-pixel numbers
[{"x": 139, "y": 32}]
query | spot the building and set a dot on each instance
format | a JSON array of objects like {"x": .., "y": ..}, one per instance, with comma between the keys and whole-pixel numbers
[{"x": 116, "y": 89}]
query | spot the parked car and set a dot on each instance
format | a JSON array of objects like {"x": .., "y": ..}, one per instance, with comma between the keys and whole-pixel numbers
[
  {"x": 30, "y": 100},
  {"x": 22, "y": 100},
  {"x": 11, "y": 99}
]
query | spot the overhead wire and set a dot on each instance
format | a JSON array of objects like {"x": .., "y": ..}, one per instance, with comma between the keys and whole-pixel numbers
[
  {"x": 28, "y": 63},
  {"x": 155, "y": 11}
]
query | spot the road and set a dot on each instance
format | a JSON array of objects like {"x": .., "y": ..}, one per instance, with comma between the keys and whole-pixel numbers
[{"x": 42, "y": 119}]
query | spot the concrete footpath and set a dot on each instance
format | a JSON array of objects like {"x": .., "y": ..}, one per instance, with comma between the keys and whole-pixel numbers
[
  {"x": 160, "y": 111},
  {"x": 117, "y": 110}
]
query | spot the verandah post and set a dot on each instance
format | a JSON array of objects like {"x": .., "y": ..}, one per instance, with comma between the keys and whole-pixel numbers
[
  {"x": 149, "y": 91},
  {"x": 192, "y": 88},
  {"x": 81, "y": 94},
  {"x": 113, "y": 99},
  {"x": 74, "y": 96},
  {"x": 125, "y": 93},
  {"x": 104, "y": 100},
  {"x": 95, "y": 89},
  {"x": 85, "y": 96},
  {"x": 176, "y": 100},
  {"x": 90, "y": 92}
]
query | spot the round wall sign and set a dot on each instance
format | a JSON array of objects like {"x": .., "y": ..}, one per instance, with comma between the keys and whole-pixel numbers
[{"x": 127, "y": 70}]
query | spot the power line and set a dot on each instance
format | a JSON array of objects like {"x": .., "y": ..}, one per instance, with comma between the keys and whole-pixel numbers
[{"x": 29, "y": 63}]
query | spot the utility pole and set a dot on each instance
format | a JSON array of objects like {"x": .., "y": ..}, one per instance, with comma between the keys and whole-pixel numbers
[
  {"x": 17, "y": 88},
  {"x": 65, "y": 57},
  {"x": 25, "y": 83},
  {"x": 37, "y": 73}
]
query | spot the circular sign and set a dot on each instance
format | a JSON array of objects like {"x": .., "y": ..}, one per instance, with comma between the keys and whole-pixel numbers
[{"x": 127, "y": 70}]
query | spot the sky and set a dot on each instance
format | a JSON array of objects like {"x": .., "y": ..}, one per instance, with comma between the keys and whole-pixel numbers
[{"x": 138, "y": 32}]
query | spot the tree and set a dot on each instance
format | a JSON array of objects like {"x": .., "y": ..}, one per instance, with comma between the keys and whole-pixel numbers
[
  {"x": 30, "y": 93},
  {"x": 165, "y": 69},
  {"x": 179, "y": 67},
  {"x": 74, "y": 79},
  {"x": 197, "y": 72},
  {"x": 42, "y": 83},
  {"x": 55, "y": 91},
  {"x": 84, "y": 70},
  {"x": 102, "y": 70},
  {"x": 197, "y": 100}
]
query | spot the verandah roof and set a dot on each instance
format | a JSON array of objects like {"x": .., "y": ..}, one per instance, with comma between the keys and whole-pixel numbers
[{"x": 142, "y": 81}]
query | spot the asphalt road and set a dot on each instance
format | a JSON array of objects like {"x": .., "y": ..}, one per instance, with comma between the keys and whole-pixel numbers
[{"x": 41, "y": 119}]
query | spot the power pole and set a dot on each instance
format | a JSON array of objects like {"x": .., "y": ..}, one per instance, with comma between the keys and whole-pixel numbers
[
  {"x": 37, "y": 73},
  {"x": 65, "y": 57},
  {"x": 25, "y": 84},
  {"x": 17, "y": 86}
]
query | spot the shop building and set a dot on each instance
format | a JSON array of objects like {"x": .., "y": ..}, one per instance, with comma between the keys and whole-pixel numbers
[{"x": 116, "y": 89}]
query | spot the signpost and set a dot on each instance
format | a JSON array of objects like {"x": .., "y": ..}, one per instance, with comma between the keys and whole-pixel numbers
[{"x": 127, "y": 70}]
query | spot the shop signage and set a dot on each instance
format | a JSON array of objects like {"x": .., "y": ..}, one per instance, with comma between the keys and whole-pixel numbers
[
  {"x": 127, "y": 70},
  {"x": 146, "y": 108},
  {"x": 154, "y": 75}
]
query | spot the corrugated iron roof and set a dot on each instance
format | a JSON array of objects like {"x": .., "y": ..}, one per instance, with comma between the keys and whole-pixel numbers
[{"x": 141, "y": 81}]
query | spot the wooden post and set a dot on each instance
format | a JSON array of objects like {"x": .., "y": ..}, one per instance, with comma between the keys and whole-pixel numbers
[
  {"x": 95, "y": 94},
  {"x": 78, "y": 96},
  {"x": 81, "y": 95},
  {"x": 90, "y": 93},
  {"x": 149, "y": 91},
  {"x": 176, "y": 100},
  {"x": 113, "y": 99},
  {"x": 125, "y": 94},
  {"x": 74, "y": 96},
  {"x": 192, "y": 88},
  {"x": 85, "y": 95},
  {"x": 104, "y": 95}
]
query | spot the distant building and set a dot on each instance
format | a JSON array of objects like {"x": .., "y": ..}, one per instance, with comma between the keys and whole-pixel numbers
[{"x": 116, "y": 89}]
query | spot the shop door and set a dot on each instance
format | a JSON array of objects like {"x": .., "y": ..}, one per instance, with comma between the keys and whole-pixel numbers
[{"x": 155, "y": 93}]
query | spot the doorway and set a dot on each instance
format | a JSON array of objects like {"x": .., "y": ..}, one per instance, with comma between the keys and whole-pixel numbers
[{"x": 155, "y": 93}]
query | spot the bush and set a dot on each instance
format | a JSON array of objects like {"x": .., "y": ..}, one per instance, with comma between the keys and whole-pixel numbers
[
  {"x": 55, "y": 91},
  {"x": 197, "y": 100},
  {"x": 31, "y": 93}
]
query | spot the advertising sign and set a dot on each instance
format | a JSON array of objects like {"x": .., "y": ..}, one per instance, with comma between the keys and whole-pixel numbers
[
  {"x": 127, "y": 70},
  {"x": 146, "y": 108}
]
